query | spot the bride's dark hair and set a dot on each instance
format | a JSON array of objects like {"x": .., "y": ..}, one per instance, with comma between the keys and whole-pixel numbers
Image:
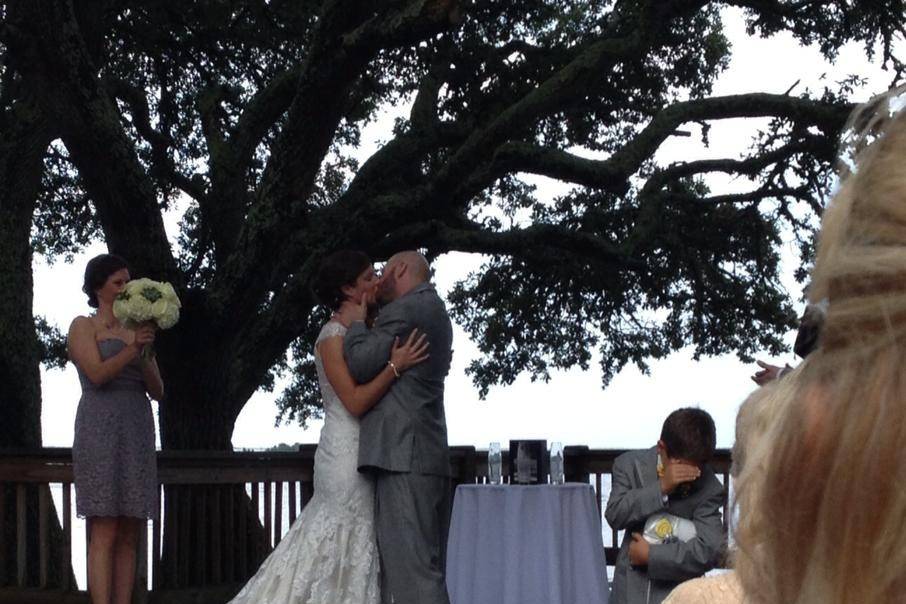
[{"x": 338, "y": 270}]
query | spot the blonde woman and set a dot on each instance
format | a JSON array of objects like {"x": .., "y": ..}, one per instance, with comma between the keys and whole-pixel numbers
[
  {"x": 830, "y": 507},
  {"x": 754, "y": 420}
]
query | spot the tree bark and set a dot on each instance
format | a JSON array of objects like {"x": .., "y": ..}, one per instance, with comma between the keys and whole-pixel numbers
[{"x": 26, "y": 136}]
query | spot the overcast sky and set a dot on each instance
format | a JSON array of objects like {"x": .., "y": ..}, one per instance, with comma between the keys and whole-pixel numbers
[{"x": 572, "y": 408}]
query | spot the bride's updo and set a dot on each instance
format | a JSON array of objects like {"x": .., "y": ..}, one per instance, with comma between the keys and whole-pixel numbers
[
  {"x": 832, "y": 497},
  {"x": 338, "y": 270}
]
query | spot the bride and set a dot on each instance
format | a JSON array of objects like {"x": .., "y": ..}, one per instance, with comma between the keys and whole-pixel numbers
[{"x": 330, "y": 554}]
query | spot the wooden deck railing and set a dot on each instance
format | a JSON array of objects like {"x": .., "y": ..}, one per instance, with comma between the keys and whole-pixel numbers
[{"x": 206, "y": 543}]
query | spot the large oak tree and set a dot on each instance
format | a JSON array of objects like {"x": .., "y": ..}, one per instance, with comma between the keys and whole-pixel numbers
[{"x": 247, "y": 113}]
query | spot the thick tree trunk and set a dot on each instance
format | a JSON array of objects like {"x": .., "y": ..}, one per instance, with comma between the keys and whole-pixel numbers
[
  {"x": 22, "y": 147},
  {"x": 198, "y": 412}
]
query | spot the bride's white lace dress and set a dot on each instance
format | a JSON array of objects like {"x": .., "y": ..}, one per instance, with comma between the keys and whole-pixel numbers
[{"x": 329, "y": 555}]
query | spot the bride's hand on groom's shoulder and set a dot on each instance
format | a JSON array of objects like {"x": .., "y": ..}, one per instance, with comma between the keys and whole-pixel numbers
[{"x": 412, "y": 352}]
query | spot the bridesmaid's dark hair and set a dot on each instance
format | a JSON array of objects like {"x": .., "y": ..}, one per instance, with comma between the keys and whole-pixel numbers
[
  {"x": 97, "y": 271},
  {"x": 338, "y": 270}
]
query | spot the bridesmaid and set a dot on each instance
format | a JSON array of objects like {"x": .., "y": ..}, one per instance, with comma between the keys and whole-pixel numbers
[{"x": 113, "y": 453}]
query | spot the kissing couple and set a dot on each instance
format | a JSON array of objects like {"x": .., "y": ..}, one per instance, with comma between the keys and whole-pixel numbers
[{"x": 375, "y": 529}]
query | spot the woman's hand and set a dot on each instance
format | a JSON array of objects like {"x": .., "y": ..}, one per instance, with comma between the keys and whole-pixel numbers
[
  {"x": 350, "y": 311},
  {"x": 144, "y": 335},
  {"x": 413, "y": 352}
]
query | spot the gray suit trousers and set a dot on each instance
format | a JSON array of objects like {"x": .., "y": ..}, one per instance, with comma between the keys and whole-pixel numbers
[{"x": 412, "y": 517}]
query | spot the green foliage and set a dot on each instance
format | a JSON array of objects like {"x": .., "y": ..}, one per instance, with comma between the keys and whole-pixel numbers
[
  {"x": 64, "y": 221},
  {"x": 53, "y": 352},
  {"x": 249, "y": 114}
]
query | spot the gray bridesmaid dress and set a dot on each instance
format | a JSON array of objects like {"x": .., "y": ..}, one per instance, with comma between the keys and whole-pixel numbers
[{"x": 113, "y": 455}]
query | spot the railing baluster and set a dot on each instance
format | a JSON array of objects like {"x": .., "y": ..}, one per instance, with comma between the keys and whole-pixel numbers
[
  {"x": 268, "y": 502},
  {"x": 216, "y": 530},
  {"x": 278, "y": 512},
  {"x": 140, "y": 589},
  {"x": 171, "y": 502},
  {"x": 293, "y": 485},
  {"x": 185, "y": 534},
  {"x": 21, "y": 533},
  {"x": 307, "y": 492},
  {"x": 256, "y": 505},
  {"x": 67, "y": 535},
  {"x": 201, "y": 529},
  {"x": 229, "y": 523},
  {"x": 243, "y": 542},
  {"x": 3, "y": 491},
  {"x": 43, "y": 534},
  {"x": 598, "y": 493},
  {"x": 155, "y": 545}
]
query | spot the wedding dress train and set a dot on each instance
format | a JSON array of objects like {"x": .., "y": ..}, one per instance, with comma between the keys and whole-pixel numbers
[{"x": 329, "y": 555}]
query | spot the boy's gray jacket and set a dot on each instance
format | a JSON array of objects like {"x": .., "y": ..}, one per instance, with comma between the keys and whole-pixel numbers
[
  {"x": 636, "y": 494},
  {"x": 407, "y": 430}
]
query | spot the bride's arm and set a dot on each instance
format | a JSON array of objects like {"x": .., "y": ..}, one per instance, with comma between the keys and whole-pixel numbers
[{"x": 359, "y": 398}]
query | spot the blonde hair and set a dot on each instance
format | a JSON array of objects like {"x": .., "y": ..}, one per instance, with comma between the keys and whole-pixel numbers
[
  {"x": 824, "y": 519},
  {"x": 754, "y": 419}
]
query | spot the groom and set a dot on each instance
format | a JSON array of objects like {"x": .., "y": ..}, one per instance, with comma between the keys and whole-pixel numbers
[{"x": 403, "y": 439}]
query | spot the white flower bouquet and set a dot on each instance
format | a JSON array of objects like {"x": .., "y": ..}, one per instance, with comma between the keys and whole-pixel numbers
[{"x": 144, "y": 300}]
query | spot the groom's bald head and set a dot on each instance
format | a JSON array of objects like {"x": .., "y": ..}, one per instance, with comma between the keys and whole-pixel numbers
[
  {"x": 415, "y": 262},
  {"x": 404, "y": 271}
]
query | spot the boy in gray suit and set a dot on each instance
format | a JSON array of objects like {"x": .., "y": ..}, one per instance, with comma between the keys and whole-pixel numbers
[
  {"x": 672, "y": 479},
  {"x": 403, "y": 439}
]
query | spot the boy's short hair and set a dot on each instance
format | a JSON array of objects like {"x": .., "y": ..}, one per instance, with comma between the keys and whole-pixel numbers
[{"x": 689, "y": 433}]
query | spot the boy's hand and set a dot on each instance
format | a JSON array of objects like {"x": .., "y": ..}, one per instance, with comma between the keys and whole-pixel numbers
[
  {"x": 638, "y": 551},
  {"x": 676, "y": 473}
]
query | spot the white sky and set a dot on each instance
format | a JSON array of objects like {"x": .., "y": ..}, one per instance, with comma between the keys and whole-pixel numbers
[{"x": 572, "y": 408}]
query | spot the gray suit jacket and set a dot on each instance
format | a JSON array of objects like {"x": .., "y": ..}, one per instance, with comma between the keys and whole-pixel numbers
[
  {"x": 407, "y": 430},
  {"x": 636, "y": 494}
]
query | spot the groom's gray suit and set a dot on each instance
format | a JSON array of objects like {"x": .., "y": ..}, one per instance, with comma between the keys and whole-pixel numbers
[{"x": 403, "y": 442}]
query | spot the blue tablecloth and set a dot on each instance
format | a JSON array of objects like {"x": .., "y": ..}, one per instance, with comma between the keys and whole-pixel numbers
[{"x": 513, "y": 544}]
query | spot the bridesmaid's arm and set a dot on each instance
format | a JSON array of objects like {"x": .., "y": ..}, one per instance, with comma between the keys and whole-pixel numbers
[
  {"x": 357, "y": 398},
  {"x": 154, "y": 385},
  {"x": 83, "y": 351}
]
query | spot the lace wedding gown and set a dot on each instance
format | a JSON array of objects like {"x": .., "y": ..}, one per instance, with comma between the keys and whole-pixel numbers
[{"x": 329, "y": 555}]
